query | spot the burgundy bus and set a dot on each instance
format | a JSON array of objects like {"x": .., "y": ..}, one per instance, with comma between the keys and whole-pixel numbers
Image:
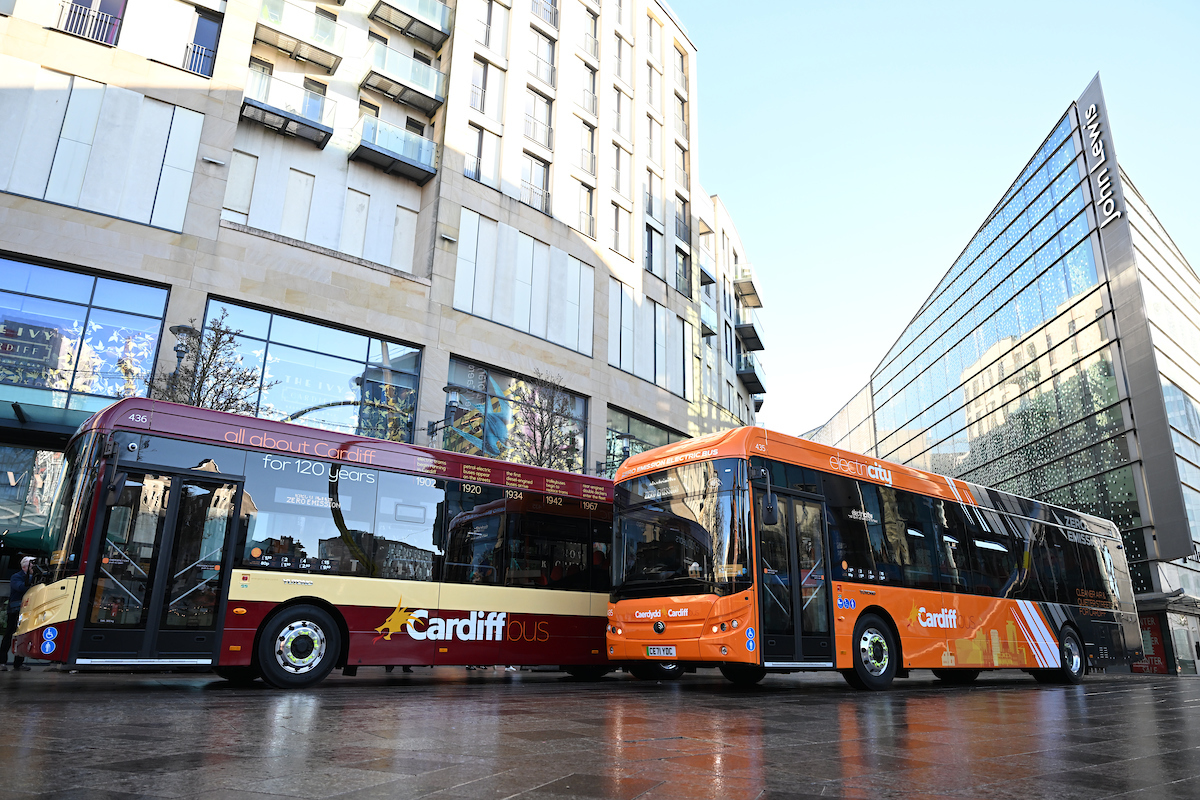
[{"x": 186, "y": 537}]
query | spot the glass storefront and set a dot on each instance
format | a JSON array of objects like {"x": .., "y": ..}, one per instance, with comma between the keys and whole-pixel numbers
[
  {"x": 325, "y": 377},
  {"x": 492, "y": 413},
  {"x": 28, "y": 477},
  {"x": 628, "y": 435},
  {"x": 73, "y": 340}
]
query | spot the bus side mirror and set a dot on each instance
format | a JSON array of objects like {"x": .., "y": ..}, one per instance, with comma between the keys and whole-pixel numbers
[
  {"x": 115, "y": 489},
  {"x": 770, "y": 509}
]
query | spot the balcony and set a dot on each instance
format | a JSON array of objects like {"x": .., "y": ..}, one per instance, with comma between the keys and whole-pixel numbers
[
  {"x": 540, "y": 132},
  {"x": 708, "y": 266},
  {"x": 654, "y": 206},
  {"x": 709, "y": 325},
  {"x": 749, "y": 328},
  {"x": 587, "y": 161},
  {"x": 587, "y": 224},
  {"x": 681, "y": 78},
  {"x": 543, "y": 70},
  {"x": 758, "y": 401},
  {"x": 199, "y": 59},
  {"x": 301, "y": 33},
  {"x": 395, "y": 150},
  {"x": 485, "y": 35},
  {"x": 471, "y": 168},
  {"x": 745, "y": 286},
  {"x": 403, "y": 79},
  {"x": 588, "y": 102},
  {"x": 288, "y": 109},
  {"x": 683, "y": 232},
  {"x": 424, "y": 20},
  {"x": 546, "y": 10},
  {"x": 83, "y": 21},
  {"x": 620, "y": 183},
  {"x": 682, "y": 178},
  {"x": 750, "y": 371},
  {"x": 533, "y": 196},
  {"x": 478, "y": 97},
  {"x": 591, "y": 46}
]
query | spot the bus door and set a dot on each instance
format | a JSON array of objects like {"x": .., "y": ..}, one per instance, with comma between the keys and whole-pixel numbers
[
  {"x": 794, "y": 587},
  {"x": 157, "y": 571}
]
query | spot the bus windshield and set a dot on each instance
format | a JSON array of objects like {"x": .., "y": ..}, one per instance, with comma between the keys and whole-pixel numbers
[
  {"x": 683, "y": 530},
  {"x": 64, "y": 533}
]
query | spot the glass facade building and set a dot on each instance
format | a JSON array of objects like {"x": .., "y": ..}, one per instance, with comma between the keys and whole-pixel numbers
[{"x": 1057, "y": 358}]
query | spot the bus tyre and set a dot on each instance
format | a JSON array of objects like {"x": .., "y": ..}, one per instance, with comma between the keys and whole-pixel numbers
[
  {"x": 875, "y": 655},
  {"x": 238, "y": 676},
  {"x": 657, "y": 671},
  {"x": 956, "y": 676},
  {"x": 298, "y": 647},
  {"x": 743, "y": 674},
  {"x": 1074, "y": 661}
]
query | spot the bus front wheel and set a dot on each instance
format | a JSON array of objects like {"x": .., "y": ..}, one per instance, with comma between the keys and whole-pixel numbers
[
  {"x": 1074, "y": 661},
  {"x": 875, "y": 655},
  {"x": 298, "y": 647},
  {"x": 657, "y": 671},
  {"x": 743, "y": 674}
]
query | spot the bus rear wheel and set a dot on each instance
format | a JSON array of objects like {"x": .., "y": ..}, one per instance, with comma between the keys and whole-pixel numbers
[
  {"x": 743, "y": 674},
  {"x": 956, "y": 676},
  {"x": 657, "y": 671},
  {"x": 298, "y": 647},
  {"x": 1072, "y": 657},
  {"x": 875, "y": 655}
]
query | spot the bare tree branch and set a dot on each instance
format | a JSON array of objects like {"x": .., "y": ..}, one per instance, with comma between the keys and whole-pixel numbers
[{"x": 544, "y": 430}]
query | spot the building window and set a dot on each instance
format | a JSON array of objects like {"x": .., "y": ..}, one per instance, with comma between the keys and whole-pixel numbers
[
  {"x": 495, "y": 412},
  {"x": 654, "y": 140},
  {"x": 588, "y": 98},
  {"x": 681, "y": 117},
  {"x": 479, "y": 85},
  {"x": 681, "y": 168},
  {"x": 654, "y": 87},
  {"x": 681, "y": 76},
  {"x": 587, "y": 153},
  {"x": 314, "y": 99},
  {"x": 654, "y": 253},
  {"x": 542, "y": 49},
  {"x": 76, "y": 341},
  {"x": 366, "y": 109},
  {"x": 628, "y": 435},
  {"x": 683, "y": 273},
  {"x": 591, "y": 34},
  {"x": 587, "y": 210},
  {"x": 325, "y": 377},
  {"x": 486, "y": 8},
  {"x": 537, "y": 119},
  {"x": 620, "y": 230},
  {"x": 413, "y": 125},
  {"x": 421, "y": 58},
  {"x": 620, "y": 170},
  {"x": 202, "y": 50},
  {"x": 474, "y": 159},
  {"x": 535, "y": 183},
  {"x": 379, "y": 38},
  {"x": 654, "y": 36},
  {"x": 624, "y": 108},
  {"x": 683, "y": 222},
  {"x": 622, "y": 57},
  {"x": 654, "y": 196},
  {"x": 728, "y": 343}
]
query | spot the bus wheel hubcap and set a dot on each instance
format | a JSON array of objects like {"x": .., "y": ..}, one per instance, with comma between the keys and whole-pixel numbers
[
  {"x": 1073, "y": 658},
  {"x": 300, "y": 646},
  {"x": 873, "y": 650}
]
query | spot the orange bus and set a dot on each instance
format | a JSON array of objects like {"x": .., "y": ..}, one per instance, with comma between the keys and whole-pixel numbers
[
  {"x": 185, "y": 537},
  {"x": 759, "y": 552}
]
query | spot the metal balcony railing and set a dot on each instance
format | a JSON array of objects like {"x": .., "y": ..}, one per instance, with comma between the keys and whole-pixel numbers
[
  {"x": 620, "y": 124},
  {"x": 404, "y": 79},
  {"x": 683, "y": 231},
  {"x": 709, "y": 324},
  {"x": 587, "y": 224},
  {"x": 683, "y": 276},
  {"x": 681, "y": 128},
  {"x": 478, "y": 96},
  {"x": 485, "y": 35},
  {"x": 301, "y": 33},
  {"x": 708, "y": 266},
  {"x": 288, "y": 108},
  {"x": 199, "y": 59},
  {"x": 619, "y": 183},
  {"x": 539, "y": 132},
  {"x": 587, "y": 161},
  {"x": 749, "y": 328},
  {"x": 83, "y": 21},
  {"x": 681, "y": 78},
  {"x": 533, "y": 196},
  {"x": 745, "y": 286},
  {"x": 546, "y": 10},
  {"x": 654, "y": 206},
  {"x": 472, "y": 168},
  {"x": 395, "y": 150},
  {"x": 425, "y": 20},
  {"x": 543, "y": 70},
  {"x": 750, "y": 370},
  {"x": 591, "y": 45},
  {"x": 682, "y": 178},
  {"x": 588, "y": 102}
]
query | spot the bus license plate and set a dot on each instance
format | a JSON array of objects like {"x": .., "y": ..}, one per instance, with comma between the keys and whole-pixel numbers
[{"x": 660, "y": 652}]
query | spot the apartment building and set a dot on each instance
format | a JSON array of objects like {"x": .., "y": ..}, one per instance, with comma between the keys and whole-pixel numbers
[{"x": 408, "y": 210}]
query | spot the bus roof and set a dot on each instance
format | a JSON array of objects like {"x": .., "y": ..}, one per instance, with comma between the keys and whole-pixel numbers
[
  {"x": 286, "y": 439},
  {"x": 756, "y": 441}
]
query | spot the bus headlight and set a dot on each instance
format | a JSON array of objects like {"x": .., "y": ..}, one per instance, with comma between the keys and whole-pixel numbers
[{"x": 715, "y": 628}]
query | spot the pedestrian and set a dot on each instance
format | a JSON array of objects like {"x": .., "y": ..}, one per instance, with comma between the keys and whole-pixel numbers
[{"x": 18, "y": 584}]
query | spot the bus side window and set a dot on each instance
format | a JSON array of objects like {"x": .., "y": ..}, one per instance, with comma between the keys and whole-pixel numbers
[
  {"x": 1046, "y": 557},
  {"x": 407, "y": 535},
  {"x": 473, "y": 520},
  {"x": 993, "y": 555},
  {"x": 953, "y": 546},
  {"x": 916, "y": 513},
  {"x": 549, "y": 546}
]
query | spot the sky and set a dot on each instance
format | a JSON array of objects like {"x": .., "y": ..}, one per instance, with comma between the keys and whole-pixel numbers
[{"x": 860, "y": 145}]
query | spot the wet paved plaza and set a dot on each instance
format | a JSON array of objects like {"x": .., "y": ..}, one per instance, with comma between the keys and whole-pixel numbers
[{"x": 450, "y": 733}]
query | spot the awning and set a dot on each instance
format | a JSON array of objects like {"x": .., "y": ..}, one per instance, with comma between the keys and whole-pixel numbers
[{"x": 39, "y": 426}]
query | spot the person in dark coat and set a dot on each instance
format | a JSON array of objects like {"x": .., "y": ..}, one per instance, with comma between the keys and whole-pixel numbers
[{"x": 18, "y": 584}]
